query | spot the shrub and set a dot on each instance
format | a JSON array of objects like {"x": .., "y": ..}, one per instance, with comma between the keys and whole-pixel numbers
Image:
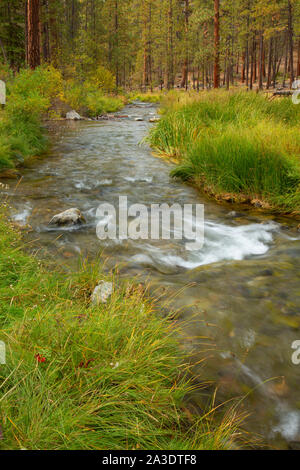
[
  {"x": 29, "y": 96},
  {"x": 88, "y": 99}
]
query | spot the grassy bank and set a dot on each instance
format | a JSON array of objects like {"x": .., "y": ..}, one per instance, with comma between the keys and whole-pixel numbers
[
  {"x": 79, "y": 376},
  {"x": 30, "y": 95},
  {"x": 146, "y": 97},
  {"x": 238, "y": 146}
]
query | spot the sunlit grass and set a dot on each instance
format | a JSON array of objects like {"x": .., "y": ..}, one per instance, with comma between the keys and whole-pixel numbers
[
  {"x": 111, "y": 377},
  {"x": 234, "y": 142},
  {"x": 146, "y": 97}
]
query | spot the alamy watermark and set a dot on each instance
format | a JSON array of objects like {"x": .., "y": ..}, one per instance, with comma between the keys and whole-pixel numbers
[
  {"x": 296, "y": 354},
  {"x": 296, "y": 87},
  {"x": 2, "y": 353},
  {"x": 2, "y": 92},
  {"x": 154, "y": 222}
]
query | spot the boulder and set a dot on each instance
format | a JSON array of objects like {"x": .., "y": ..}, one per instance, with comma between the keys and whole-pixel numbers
[
  {"x": 138, "y": 119},
  {"x": 73, "y": 115},
  {"x": 68, "y": 217},
  {"x": 154, "y": 119},
  {"x": 101, "y": 293}
]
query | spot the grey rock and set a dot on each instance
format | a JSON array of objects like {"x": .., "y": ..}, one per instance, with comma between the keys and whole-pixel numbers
[
  {"x": 69, "y": 217},
  {"x": 73, "y": 115},
  {"x": 102, "y": 293}
]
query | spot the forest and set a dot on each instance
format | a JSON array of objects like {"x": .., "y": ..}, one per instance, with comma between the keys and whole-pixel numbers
[
  {"x": 114, "y": 337},
  {"x": 150, "y": 44}
]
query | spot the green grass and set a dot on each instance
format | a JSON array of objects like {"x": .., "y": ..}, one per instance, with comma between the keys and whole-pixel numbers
[
  {"x": 239, "y": 143},
  {"x": 146, "y": 97},
  {"x": 90, "y": 100},
  {"x": 29, "y": 97},
  {"x": 113, "y": 377}
]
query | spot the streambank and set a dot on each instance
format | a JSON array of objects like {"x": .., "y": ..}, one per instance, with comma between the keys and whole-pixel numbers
[
  {"x": 238, "y": 297},
  {"x": 86, "y": 376},
  {"x": 235, "y": 146},
  {"x": 34, "y": 96}
]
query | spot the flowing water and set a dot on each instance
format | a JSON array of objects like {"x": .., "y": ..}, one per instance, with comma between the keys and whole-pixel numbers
[{"x": 239, "y": 295}]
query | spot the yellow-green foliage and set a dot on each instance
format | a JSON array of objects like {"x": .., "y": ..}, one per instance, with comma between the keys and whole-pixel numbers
[
  {"x": 29, "y": 96},
  {"x": 89, "y": 99},
  {"x": 103, "y": 79},
  {"x": 5, "y": 72},
  {"x": 146, "y": 97}
]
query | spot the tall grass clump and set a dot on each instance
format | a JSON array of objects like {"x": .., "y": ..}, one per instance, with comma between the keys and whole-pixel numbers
[
  {"x": 80, "y": 376},
  {"x": 239, "y": 143},
  {"x": 148, "y": 97}
]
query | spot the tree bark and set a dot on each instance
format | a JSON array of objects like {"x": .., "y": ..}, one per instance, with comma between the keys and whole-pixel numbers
[
  {"x": 217, "y": 44},
  {"x": 45, "y": 31},
  {"x": 260, "y": 61},
  {"x": 298, "y": 64},
  {"x": 290, "y": 34},
  {"x": 269, "y": 77},
  {"x": 3, "y": 52},
  {"x": 185, "y": 71},
  {"x": 170, "y": 71},
  {"x": 33, "y": 22}
]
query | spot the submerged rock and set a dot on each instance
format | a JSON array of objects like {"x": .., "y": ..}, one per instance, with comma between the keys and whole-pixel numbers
[
  {"x": 69, "y": 217},
  {"x": 73, "y": 115},
  {"x": 101, "y": 293},
  {"x": 234, "y": 215}
]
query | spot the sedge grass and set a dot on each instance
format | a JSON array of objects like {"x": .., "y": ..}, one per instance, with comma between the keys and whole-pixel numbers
[
  {"x": 79, "y": 376},
  {"x": 239, "y": 143}
]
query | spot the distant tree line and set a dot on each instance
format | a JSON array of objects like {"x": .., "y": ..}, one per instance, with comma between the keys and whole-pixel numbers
[{"x": 157, "y": 43}]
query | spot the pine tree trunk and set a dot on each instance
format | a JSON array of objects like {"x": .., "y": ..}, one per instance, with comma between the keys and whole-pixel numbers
[
  {"x": 54, "y": 40},
  {"x": 33, "y": 15},
  {"x": 290, "y": 34},
  {"x": 270, "y": 63},
  {"x": 170, "y": 70},
  {"x": 217, "y": 44},
  {"x": 185, "y": 71},
  {"x": 116, "y": 25},
  {"x": 298, "y": 64},
  {"x": 45, "y": 32},
  {"x": 260, "y": 61},
  {"x": 243, "y": 67}
]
